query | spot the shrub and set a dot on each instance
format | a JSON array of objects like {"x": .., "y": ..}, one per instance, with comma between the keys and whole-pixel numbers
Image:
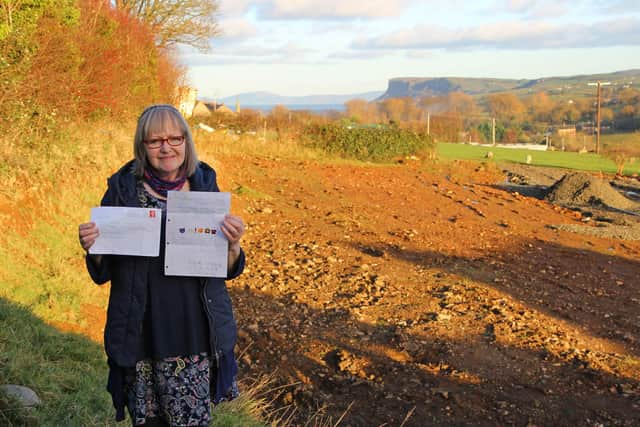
[
  {"x": 366, "y": 143},
  {"x": 622, "y": 155}
]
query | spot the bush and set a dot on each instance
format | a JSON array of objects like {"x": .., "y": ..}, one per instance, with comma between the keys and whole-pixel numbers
[
  {"x": 622, "y": 155},
  {"x": 486, "y": 130},
  {"x": 366, "y": 143}
]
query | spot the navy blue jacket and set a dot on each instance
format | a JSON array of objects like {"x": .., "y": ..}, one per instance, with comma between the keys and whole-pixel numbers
[{"x": 127, "y": 299}]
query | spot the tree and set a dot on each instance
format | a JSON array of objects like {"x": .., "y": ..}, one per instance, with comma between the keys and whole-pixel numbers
[
  {"x": 460, "y": 102},
  {"x": 432, "y": 104},
  {"x": 190, "y": 22},
  {"x": 361, "y": 111},
  {"x": 280, "y": 120},
  {"x": 540, "y": 106},
  {"x": 505, "y": 106},
  {"x": 628, "y": 111},
  {"x": 393, "y": 109},
  {"x": 565, "y": 112},
  {"x": 511, "y": 135},
  {"x": 606, "y": 114},
  {"x": 486, "y": 131},
  {"x": 628, "y": 96},
  {"x": 585, "y": 107},
  {"x": 19, "y": 26},
  {"x": 412, "y": 111}
]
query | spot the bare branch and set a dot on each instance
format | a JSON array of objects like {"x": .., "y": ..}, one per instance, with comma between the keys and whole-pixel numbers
[{"x": 191, "y": 22}]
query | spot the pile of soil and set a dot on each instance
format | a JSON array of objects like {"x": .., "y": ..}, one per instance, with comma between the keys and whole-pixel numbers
[
  {"x": 520, "y": 174},
  {"x": 579, "y": 189}
]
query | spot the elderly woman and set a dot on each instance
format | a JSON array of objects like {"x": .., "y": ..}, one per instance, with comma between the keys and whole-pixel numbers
[{"x": 169, "y": 340}]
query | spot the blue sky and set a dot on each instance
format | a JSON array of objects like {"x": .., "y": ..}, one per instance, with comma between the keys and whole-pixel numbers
[{"x": 303, "y": 47}]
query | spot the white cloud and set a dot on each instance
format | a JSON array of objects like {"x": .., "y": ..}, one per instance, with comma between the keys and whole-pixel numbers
[
  {"x": 549, "y": 8},
  {"x": 235, "y": 30},
  {"x": 332, "y": 9},
  {"x": 511, "y": 35},
  {"x": 620, "y": 6},
  {"x": 288, "y": 53},
  {"x": 344, "y": 27},
  {"x": 359, "y": 55},
  {"x": 419, "y": 54},
  {"x": 234, "y": 8},
  {"x": 537, "y": 7}
]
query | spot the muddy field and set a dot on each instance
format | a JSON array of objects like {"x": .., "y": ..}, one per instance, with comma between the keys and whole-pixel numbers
[
  {"x": 426, "y": 295},
  {"x": 421, "y": 296}
]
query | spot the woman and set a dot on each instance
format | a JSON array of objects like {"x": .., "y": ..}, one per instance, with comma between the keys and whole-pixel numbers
[{"x": 169, "y": 340}]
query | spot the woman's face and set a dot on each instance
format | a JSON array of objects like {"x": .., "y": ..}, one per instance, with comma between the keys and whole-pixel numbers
[{"x": 166, "y": 159}]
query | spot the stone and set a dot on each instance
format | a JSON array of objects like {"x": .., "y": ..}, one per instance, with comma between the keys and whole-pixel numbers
[
  {"x": 22, "y": 394},
  {"x": 441, "y": 392}
]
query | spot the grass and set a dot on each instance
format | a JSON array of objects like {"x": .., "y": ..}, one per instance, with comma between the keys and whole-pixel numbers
[
  {"x": 556, "y": 159},
  {"x": 244, "y": 190},
  {"x": 212, "y": 144},
  {"x": 632, "y": 138},
  {"x": 67, "y": 371},
  {"x": 48, "y": 189}
]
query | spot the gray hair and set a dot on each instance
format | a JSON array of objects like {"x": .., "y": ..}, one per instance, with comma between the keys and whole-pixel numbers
[{"x": 156, "y": 119}]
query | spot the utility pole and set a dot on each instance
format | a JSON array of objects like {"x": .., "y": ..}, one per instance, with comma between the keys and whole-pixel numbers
[
  {"x": 599, "y": 97},
  {"x": 493, "y": 131}
]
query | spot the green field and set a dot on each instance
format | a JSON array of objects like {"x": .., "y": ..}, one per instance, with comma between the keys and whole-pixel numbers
[
  {"x": 555, "y": 159},
  {"x": 613, "y": 139}
]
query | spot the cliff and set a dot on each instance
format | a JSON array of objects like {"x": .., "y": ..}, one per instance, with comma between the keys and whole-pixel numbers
[{"x": 418, "y": 87}]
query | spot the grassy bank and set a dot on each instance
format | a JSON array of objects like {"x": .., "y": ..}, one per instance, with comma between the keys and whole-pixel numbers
[
  {"x": 67, "y": 371},
  {"x": 587, "y": 162},
  {"x": 49, "y": 187}
]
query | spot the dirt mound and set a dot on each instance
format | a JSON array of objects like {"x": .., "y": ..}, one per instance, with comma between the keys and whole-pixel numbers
[{"x": 578, "y": 188}]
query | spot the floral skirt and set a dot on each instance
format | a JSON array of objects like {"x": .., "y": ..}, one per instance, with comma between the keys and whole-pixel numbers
[{"x": 176, "y": 390}]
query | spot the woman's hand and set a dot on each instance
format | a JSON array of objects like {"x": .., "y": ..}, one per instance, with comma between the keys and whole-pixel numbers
[
  {"x": 88, "y": 233},
  {"x": 233, "y": 228}
]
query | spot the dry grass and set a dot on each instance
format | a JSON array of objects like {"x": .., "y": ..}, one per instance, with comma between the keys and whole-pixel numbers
[{"x": 49, "y": 187}]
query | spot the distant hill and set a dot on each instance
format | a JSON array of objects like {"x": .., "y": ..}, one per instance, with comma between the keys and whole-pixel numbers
[
  {"x": 267, "y": 98},
  {"x": 417, "y": 87}
]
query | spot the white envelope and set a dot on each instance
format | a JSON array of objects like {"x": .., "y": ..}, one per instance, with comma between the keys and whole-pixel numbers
[{"x": 127, "y": 231}]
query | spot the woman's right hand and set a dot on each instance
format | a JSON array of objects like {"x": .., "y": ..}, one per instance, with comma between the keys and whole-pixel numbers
[{"x": 88, "y": 233}]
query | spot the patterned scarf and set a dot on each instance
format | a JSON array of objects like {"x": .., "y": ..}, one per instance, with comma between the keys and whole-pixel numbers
[{"x": 161, "y": 186}]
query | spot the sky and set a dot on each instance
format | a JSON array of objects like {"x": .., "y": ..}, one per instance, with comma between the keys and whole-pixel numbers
[{"x": 309, "y": 47}]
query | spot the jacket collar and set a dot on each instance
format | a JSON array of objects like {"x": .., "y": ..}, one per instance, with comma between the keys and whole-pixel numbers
[{"x": 124, "y": 182}]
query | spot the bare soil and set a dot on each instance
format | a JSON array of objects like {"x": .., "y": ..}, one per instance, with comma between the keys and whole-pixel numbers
[{"x": 421, "y": 295}]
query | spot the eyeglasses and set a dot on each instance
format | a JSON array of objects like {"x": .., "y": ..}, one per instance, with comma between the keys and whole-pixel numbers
[{"x": 173, "y": 141}]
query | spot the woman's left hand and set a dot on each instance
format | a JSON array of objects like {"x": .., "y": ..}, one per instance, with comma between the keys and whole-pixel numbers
[{"x": 233, "y": 228}]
